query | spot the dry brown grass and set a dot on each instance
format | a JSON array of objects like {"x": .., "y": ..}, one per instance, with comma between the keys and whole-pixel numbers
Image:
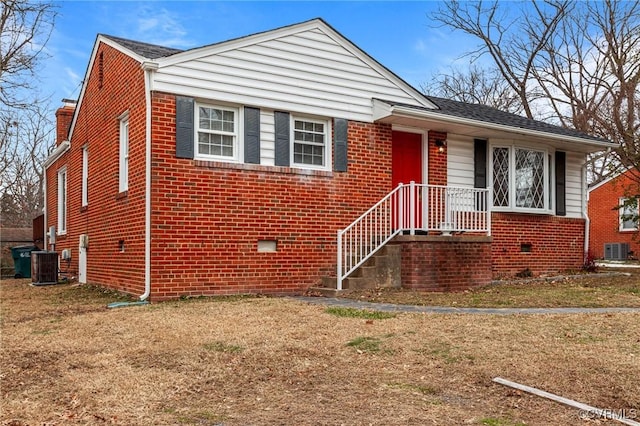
[
  {"x": 611, "y": 288},
  {"x": 66, "y": 359}
]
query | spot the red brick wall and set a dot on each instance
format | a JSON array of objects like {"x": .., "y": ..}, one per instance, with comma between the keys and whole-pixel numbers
[
  {"x": 208, "y": 217},
  {"x": 110, "y": 216},
  {"x": 556, "y": 243},
  {"x": 437, "y": 160},
  {"x": 445, "y": 263},
  {"x": 604, "y": 227}
]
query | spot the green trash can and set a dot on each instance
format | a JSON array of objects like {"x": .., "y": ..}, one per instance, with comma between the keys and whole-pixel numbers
[{"x": 22, "y": 260}]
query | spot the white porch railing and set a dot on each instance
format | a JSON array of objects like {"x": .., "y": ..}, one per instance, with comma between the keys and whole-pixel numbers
[{"x": 409, "y": 208}]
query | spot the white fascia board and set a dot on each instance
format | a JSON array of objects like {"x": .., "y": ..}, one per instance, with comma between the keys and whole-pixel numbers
[
  {"x": 599, "y": 184},
  {"x": 315, "y": 24},
  {"x": 237, "y": 43},
  {"x": 607, "y": 180},
  {"x": 94, "y": 52},
  {"x": 57, "y": 153},
  {"x": 118, "y": 46},
  {"x": 408, "y": 112}
]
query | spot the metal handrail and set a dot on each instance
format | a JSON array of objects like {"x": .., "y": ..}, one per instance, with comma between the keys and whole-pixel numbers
[{"x": 411, "y": 207}]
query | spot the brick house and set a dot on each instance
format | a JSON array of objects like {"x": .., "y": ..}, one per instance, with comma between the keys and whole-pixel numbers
[
  {"x": 612, "y": 235},
  {"x": 231, "y": 168}
]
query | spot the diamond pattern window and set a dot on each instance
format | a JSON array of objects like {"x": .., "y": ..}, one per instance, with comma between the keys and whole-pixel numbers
[
  {"x": 501, "y": 177},
  {"x": 521, "y": 179},
  {"x": 529, "y": 179}
]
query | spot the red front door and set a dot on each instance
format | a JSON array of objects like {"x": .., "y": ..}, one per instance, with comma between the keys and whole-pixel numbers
[
  {"x": 406, "y": 164},
  {"x": 406, "y": 161}
]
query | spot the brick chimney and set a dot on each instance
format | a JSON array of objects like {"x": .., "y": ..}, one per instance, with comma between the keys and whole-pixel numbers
[{"x": 64, "y": 115}]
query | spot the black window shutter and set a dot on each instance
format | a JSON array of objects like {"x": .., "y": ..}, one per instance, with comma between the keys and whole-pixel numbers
[
  {"x": 184, "y": 127},
  {"x": 251, "y": 135},
  {"x": 561, "y": 198},
  {"x": 282, "y": 138},
  {"x": 340, "y": 130},
  {"x": 479, "y": 163}
]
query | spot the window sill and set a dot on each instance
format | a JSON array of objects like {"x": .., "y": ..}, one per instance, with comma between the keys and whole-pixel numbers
[
  {"x": 122, "y": 195},
  {"x": 628, "y": 230},
  {"x": 512, "y": 211},
  {"x": 264, "y": 169}
]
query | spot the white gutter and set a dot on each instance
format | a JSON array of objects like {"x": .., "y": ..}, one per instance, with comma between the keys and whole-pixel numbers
[
  {"x": 57, "y": 153},
  {"x": 409, "y": 112},
  {"x": 148, "y": 68},
  {"x": 44, "y": 209},
  {"x": 52, "y": 158}
]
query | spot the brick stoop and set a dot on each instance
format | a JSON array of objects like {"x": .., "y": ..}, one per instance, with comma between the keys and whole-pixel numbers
[{"x": 380, "y": 270}]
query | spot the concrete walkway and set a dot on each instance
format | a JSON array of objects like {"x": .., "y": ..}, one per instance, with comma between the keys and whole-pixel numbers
[{"x": 390, "y": 307}]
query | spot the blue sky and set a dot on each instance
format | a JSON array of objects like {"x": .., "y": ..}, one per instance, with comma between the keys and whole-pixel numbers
[{"x": 396, "y": 33}]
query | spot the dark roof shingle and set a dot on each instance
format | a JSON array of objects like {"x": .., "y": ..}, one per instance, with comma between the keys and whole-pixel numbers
[
  {"x": 147, "y": 50},
  {"x": 493, "y": 115},
  {"x": 16, "y": 235}
]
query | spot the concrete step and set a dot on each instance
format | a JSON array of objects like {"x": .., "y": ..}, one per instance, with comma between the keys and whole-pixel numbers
[
  {"x": 324, "y": 291},
  {"x": 381, "y": 270}
]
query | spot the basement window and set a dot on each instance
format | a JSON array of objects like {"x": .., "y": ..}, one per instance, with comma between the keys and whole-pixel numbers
[
  {"x": 526, "y": 248},
  {"x": 267, "y": 246}
]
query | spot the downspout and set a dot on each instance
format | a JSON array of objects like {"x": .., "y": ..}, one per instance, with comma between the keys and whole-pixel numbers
[
  {"x": 148, "y": 68},
  {"x": 585, "y": 213},
  {"x": 44, "y": 210}
]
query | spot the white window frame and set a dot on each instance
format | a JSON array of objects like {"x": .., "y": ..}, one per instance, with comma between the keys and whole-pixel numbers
[
  {"x": 85, "y": 176},
  {"x": 327, "y": 143},
  {"x": 548, "y": 178},
  {"x": 622, "y": 211},
  {"x": 123, "y": 154},
  {"x": 236, "y": 134},
  {"x": 62, "y": 200}
]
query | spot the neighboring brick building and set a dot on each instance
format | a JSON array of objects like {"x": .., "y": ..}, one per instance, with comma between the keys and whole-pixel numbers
[
  {"x": 610, "y": 235},
  {"x": 230, "y": 168}
]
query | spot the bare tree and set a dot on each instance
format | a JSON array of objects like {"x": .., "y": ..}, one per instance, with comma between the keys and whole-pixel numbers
[
  {"x": 25, "y": 129},
  {"x": 514, "y": 41},
  {"x": 24, "y": 146},
  {"x": 476, "y": 86},
  {"x": 25, "y": 27},
  {"x": 576, "y": 64},
  {"x": 590, "y": 75}
]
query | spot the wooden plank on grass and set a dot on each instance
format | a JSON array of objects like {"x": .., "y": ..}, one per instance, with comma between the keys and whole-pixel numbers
[{"x": 587, "y": 409}]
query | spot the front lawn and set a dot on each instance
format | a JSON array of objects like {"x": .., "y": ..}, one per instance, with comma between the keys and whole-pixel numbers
[
  {"x": 66, "y": 359},
  {"x": 610, "y": 288}
]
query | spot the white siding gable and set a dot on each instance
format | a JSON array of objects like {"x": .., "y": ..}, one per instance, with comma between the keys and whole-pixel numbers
[{"x": 311, "y": 71}]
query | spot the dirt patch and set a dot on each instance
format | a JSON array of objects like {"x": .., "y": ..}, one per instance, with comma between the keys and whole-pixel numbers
[{"x": 257, "y": 361}]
